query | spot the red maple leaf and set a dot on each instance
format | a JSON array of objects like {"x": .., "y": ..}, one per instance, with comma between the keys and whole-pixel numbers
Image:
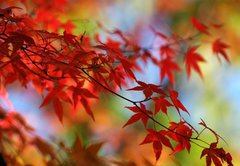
[
  {"x": 127, "y": 66},
  {"x": 86, "y": 106},
  {"x": 58, "y": 108},
  {"x": 112, "y": 44},
  {"x": 158, "y": 139},
  {"x": 53, "y": 93},
  {"x": 180, "y": 133},
  {"x": 161, "y": 104},
  {"x": 167, "y": 67},
  {"x": 57, "y": 96},
  {"x": 148, "y": 89},
  {"x": 199, "y": 26},
  {"x": 216, "y": 155},
  {"x": 69, "y": 38},
  {"x": 82, "y": 94},
  {"x": 192, "y": 59},
  {"x": 177, "y": 103},
  {"x": 17, "y": 40},
  {"x": 117, "y": 76},
  {"x": 140, "y": 113},
  {"x": 219, "y": 47},
  {"x": 168, "y": 51}
]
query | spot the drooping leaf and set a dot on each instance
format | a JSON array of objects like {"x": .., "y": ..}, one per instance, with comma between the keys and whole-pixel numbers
[
  {"x": 58, "y": 108},
  {"x": 180, "y": 133},
  {"x": 69, "y": 38},
  {"x": 51, "y": 95},
  {"x": 167, "y": 68},
  {"x": 192, "y": 59},
  {"x": 217, "y": 156},
  {"x": 199, "y": 26},
  {"x": 161, "y": 104},
  {"x": 167, "y": 51},
  {"x": 148, "y": 89},
  {"x": 176, "y": 102},
  {"x": 127, "y": 65},
  {"x": 157, "y": 139},
  {"x": 85, "y": 92},
  {"x": 87, "y": 107},
  {"x": 18, "y": 40},
  {"x": 140, "y": 113},
  {"x": 219, "y": 47}
]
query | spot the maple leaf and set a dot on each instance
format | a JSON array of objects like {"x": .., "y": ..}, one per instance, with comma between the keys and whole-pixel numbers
[
  {"x": 51, "y": 94},
  {"x": 167, "y": 67},
  {"x": 87, "y": 107},
  {"x": 216, "y": 155},
  {"x": 58, "y": 108},
  {"x": 69, "y": 38},
  {"x": 83, "y": 94},
  {"x": 114, "y": 53},
  {"x": 219, "y": 47},
  {"x": 57, "y": 95},
  {"x": 180, "y": 133},
  {"x": 117, "y": 76},
  {"x": 199, "y": 26},
  {"x": 17, "y": 40},
  {"x": 140, "y": 113},
  {"x": 81, "y": 155},
  {"x": 38, "y": 85},
  {"x": 192, "y": 59},
  {"x": 127, "y": 65},
  {"x": 161, "y": 104},
  {"x": 157, "y": 138},
  {"x": 148, "y": 89},
  {"x": 168, "y": 51},
  {"x": 24, "y": 37},
  {"x": 177, "y": 103},
  {"x": 112, "y": 44}
]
